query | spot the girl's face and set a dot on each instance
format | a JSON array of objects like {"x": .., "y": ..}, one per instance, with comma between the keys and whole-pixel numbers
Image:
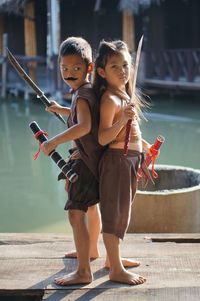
[
  {"x": 74, "y": 70},
  {"x": 117, "y": 70}
]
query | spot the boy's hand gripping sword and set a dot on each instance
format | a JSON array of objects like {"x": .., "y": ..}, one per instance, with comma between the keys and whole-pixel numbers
[
  {"x": 61, "y": 163},
  {"x": 29, "y": 82},
  {"x": 129, "y": 123}
]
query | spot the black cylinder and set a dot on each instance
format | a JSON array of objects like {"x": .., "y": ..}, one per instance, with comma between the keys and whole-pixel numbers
[{"x": 61, "y": 163}]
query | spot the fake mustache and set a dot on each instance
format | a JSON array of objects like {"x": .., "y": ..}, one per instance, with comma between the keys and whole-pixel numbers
[{"x": 70, "y": 78}]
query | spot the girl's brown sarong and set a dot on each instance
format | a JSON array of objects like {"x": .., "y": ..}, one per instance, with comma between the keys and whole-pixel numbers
[{"x": 118, "y": 186}]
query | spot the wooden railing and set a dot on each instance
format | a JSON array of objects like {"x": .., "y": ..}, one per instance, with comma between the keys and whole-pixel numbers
[
  {"x": 42, "y": 70},
  {"x": 43, "y": 74},
  {"x": 166, "y": 68},
  {"x": 181, "y": 67}
]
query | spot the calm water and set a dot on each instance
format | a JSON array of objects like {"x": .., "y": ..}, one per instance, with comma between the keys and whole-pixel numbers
[{"x": 31, "y": 199}]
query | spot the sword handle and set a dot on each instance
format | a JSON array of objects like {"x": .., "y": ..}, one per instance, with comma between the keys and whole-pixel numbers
[
  {"x": 47, "y": 103},
  {"x": 55, "y": 156},
  {"x": 127, "y": 136}
]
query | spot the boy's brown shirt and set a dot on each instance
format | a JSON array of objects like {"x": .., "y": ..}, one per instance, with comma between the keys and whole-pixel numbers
[{"x": 88, "y": 146}]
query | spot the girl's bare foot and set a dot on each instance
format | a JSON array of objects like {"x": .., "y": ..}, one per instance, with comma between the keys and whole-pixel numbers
[
  {"x": 127, "y": 263},
  {"x": 76, "y": 277},
  {"x": 73, "y": 254},
  {"x": 126, "y": 277}
]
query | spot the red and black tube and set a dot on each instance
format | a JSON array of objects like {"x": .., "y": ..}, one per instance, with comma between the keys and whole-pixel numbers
[{"x": 61, "y": 163}]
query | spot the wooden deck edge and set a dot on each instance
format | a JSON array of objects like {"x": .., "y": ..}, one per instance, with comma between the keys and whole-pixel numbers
[{"x": 172, "y": 84}]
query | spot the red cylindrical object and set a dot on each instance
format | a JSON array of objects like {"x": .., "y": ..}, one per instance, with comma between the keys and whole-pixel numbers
[
  {"x": 127, "y": 137},
  {"x": 157, "y": 144}
]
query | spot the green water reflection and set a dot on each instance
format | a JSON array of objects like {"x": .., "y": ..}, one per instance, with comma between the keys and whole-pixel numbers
[{"x": 31, "y": 199}]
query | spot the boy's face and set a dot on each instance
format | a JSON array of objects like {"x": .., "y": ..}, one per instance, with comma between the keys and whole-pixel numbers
[{"x": 73, "y": 70}]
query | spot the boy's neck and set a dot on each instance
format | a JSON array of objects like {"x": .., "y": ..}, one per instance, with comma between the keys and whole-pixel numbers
[{"x": 83, "y": 84}]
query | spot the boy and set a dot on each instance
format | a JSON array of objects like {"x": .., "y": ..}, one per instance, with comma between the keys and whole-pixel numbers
[{"x": 75, "y": 59}]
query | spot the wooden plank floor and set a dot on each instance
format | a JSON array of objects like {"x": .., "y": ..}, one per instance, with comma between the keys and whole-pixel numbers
[{"x": 30, "y": 262}]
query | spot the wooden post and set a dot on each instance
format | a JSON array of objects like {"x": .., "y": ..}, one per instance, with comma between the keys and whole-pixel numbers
[
  {"x": 2, "y": 30},
  {"x": 55, "y": 31},
  {"x": 53, "y": 27},
  {"x": 53, "y": 39},
  {"x": 55, "y": 17},
  {"x": 4, "y": 66},
  {"x": 30, "y": 36},
  {"x": 128, "y": 29},
  {"x": 129, "y": 38}
]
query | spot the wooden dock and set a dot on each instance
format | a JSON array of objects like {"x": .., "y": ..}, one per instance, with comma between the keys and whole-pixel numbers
[{"x": 30, "y": 262}]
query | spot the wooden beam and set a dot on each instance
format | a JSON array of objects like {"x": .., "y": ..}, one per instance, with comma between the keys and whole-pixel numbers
[
  {"x": 55, "y": 23},
  {"x": 97, "y": 5},
  {"x": 53, "y": 40},
  {"x": 128, "y": 29},
  {"x": 53, "y": 27},
  {"x": 30, "y": 35},
  {"x": 2, "y": 31},
  {"x": 4, "y": 66}
]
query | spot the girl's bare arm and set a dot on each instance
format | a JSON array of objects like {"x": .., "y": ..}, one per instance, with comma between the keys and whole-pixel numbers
[
  {"x": 146, "y": 146},
  {"x": 107, "y": 129}
]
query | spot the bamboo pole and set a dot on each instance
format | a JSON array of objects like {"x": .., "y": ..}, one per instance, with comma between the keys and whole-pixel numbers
[
  {"x": 30, "y": 36},
  {"x": 128, "y": 29}
]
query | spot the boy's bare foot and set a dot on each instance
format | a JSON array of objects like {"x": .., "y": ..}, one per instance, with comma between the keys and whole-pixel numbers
[
  {"x": 126, "y": 277},
  {"x": 74, "y": 278},
  {"x": 73, "y": 254},
  {"x": 127, "y": 263}
]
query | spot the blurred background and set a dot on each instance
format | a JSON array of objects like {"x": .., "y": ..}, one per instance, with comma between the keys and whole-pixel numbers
[{"x": 31, "y": 199}]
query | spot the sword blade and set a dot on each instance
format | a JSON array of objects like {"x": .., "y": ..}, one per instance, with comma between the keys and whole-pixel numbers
[
  {"x": 22, "y": 73},
  {"x": 137, "y": 60},
  {"x": 31, "y": 83}
]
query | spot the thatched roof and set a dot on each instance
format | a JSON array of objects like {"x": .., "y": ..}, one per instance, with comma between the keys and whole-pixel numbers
[
  {"x": 12, "y": 6},
  {"x": 16, "y": 6},
  {"x": 135, "y": 5}
]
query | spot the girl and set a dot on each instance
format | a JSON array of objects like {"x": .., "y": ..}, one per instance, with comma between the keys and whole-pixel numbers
[{"x": 117, "y": 172}]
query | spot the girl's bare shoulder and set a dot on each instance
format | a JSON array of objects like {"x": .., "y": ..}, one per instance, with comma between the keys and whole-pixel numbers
[{"x": 109, "y": 97}]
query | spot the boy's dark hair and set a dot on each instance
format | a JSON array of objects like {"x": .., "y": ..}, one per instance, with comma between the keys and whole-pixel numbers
[{"x": 76, "y": 45}]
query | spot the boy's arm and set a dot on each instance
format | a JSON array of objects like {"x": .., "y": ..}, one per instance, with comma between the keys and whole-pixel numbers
[
  {"x": 78, "y": 130},
  {"x": 56, "y": 108}
]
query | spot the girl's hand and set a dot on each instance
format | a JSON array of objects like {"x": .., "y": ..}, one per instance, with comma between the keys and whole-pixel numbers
[
  {"x": 48, "y": 146},
  {"x": 128, "y": 112},
  {"x": 147, "y": 147},
  {"x": 54, "y": 108}
]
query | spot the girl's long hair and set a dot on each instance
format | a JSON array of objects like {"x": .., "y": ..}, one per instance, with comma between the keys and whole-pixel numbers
[{"x": 106, "y": 50}]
